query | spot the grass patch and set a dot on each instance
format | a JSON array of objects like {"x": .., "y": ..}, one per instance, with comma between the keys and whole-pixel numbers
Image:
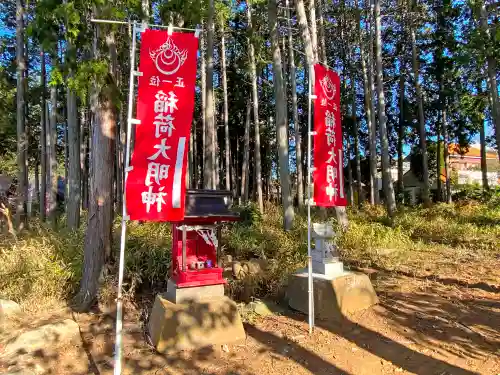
[{"x": 45, "y": 265}]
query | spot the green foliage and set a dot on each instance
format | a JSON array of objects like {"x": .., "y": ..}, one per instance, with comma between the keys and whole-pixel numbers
[
  {"x": 192, "y": 12},
  {"x": 417, "y": 234},
  {"x": 148, "y": 255},
  {"x": 8, "y": 112},
  {"x": 265, "y": 238},
  {"x": 8, "y": 163},
  {"x": 417, "y": 163},
  {"x": 56, "y": 77},
  {"x": 250, "y": 214},
  {"x": 92, "y": 71},
  {"x": 222, "y": 13},
  {"x": 477, "y": 193}
]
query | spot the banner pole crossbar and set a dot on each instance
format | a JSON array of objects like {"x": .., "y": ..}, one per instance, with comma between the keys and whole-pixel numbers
[{"x": 98, "y": 20}]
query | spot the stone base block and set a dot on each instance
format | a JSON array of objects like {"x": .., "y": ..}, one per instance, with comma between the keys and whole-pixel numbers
[
  {"x": 181, "y": 295},
  {"x": 195, "y": 325},
  {"x": 334, "y": 297},
  {"x": 332, "y": 269}
]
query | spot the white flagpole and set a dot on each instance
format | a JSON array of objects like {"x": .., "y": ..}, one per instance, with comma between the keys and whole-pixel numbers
[
  {"x": 309, "y": 198},
  {"x": 130, "y": 120}
]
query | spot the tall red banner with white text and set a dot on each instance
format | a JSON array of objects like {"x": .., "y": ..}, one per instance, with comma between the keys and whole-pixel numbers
[
  {"x": 328, "y": 152},
  {"x": 156, "y": 181}
]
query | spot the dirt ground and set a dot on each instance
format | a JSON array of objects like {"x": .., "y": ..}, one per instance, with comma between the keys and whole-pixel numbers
[{"x": 423, "y": 325}]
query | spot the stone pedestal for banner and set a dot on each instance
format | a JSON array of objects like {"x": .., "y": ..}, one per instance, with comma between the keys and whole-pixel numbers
[{"x": 337, "y": 292}]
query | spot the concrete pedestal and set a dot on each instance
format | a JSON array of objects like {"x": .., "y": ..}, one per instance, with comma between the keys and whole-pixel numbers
[
  {"x": 334, "y": 296},
  {"x": 181, "y": 295},
  {"x": 330, "y": 269},
  {"x": 196, "y": 324}
]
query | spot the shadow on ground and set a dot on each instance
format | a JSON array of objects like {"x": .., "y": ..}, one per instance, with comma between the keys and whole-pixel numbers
[{"x": 425, "y": 333}]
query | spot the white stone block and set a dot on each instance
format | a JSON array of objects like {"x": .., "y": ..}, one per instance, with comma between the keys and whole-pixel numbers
[
  {"x": 330, "y": 269},
  {"x": 180, "y": 295}
]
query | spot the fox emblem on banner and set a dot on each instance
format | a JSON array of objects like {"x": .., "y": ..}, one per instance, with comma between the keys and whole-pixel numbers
[{"x": 155, "y": 186}]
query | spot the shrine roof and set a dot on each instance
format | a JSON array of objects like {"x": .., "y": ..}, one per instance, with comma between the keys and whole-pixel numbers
[{"x": 209, "y": 204}]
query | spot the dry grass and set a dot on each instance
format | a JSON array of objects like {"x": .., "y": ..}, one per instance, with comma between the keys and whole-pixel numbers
[{"x": 43, "y": 267}]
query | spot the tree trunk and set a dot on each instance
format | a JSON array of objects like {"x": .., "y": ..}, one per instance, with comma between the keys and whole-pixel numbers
[
  {"x": 368, "y": 110},
  {"x": 281, "y": 125},
  {"x": 209, "y": 147},
  {"x": 236, "y": 174},
  {"x": 215, "y": 155},
  {"x": 226, "y": 110},
  {"x": 37, "y": 180},
  {"x": 484, "y": 166},
  {"x": 401, "y": 133},
  {"x": 203, "y": 73},
  {"x": 74, "y": 183},
  {"x": 386, "y": 175},
  {"x": 84, "y": 135},
  {"x": 305, "y": 34},
  {"x": 313, "y": 29},
  {"x": 438, "y": 161},
  {"x": 421, "y": 118},
  {"x": 145, "y": 11},
  {"x": 121, "y": 131},
  {"x": 65, "y": 144},
  {"x": 245, "y": 172},
  {"x": 359, "y": 190},
  {"x": 492, "y": 74},
  {"x": 373, "y": 132},
  {"x": 73, "y": 146},
  {"x": 22, "y": 139},
  {"x": 43, "y": 140},
  {"x": 196, "y": 164},
  {"x": 322, "y": 55},
  {"x": 350, "y": 192},
  {"x": 295, "y": 114},
  {"x": 256, "y": 120},
  {"x": 52, "y": 157},
  {"x": 446, "y": 157},
  {"x": 97, "y": 245}
]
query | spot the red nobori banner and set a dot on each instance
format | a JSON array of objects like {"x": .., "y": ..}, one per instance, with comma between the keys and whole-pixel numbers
[
  {"x": 328, "y": 157},
  {"x": 155, "y": 186}
]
